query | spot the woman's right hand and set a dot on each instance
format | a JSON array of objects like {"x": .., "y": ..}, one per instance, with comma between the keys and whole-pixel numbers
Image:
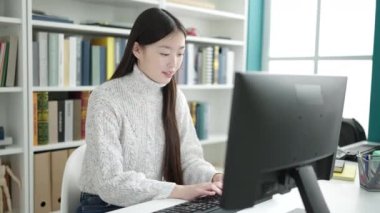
[{"x": 190, "y": 192}]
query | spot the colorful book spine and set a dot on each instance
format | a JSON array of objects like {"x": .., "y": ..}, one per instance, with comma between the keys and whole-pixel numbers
[
  {"x": 35, "y": 119},
  {"x": 43, "y": 113}
]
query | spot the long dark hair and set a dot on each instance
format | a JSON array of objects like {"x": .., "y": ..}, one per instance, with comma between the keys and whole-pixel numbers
[{"x": 151, "y": 26}]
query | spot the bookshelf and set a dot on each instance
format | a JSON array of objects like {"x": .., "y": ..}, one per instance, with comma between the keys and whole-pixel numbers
[
  {"x": 211, "y": 28},
  {"x": 13, "y": 102}
]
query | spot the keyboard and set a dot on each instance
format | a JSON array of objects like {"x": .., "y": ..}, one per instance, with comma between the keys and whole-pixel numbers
[
  {"x": 202, "y": 204},
  {"x": 350, "y": 152}
]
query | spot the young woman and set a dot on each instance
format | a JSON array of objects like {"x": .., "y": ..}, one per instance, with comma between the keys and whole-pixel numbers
[{"x": 141, "y": 142}]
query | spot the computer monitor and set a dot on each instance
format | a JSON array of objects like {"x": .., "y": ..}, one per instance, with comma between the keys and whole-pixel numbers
[{"x": 284, "y": 132}]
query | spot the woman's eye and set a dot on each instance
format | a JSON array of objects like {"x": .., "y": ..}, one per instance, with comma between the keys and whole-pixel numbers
[
  {"x": 180, "y": 54},
  {"x": 164, "y": 54}
]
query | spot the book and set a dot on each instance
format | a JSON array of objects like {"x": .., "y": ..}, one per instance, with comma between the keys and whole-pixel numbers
[
  {"x": 73, "y": 60},
  {"x": 95, "y": 64},
  {"x": 348, "y": 173},
  {"x": 12, "y": 60},
  {"x": 86, "y": 63},
  {"x": 109, "y": 44},
  {"x": 3, "y": 47},
  {"x": 61, "y": 120},
  {"x": 35, "y": 120},
  {"x": 43, "y": 116},
  {"x": 53, "y": 59},
  {"x": 44, "y": 17},
  {"x": 3, "y": 76},
  {"x": 77, "y": 131},
  {"x": 43, "y": 66},
  {"x": 36, "y": 65},
  {"x": 53, "y": 121},
  {"x": 201, "y": 121},
  {"x": 69, "y": 120}
]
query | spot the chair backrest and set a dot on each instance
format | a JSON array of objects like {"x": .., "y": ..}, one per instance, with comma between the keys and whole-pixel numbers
[
  {"x": 351, "y": 132},
  {"x": 70, "y": 193}
]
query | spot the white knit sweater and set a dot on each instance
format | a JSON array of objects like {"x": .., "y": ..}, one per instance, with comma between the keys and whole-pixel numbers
[{"x": 125, "y": 142}]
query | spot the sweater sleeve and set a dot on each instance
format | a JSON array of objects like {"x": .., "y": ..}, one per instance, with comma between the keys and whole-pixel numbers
[
  {"x": 195, "y": 168},
  {"x": 104, "y": 160}
]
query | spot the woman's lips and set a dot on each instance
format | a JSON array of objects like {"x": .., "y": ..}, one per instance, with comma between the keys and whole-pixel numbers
[{"x": 168, "y": 74}]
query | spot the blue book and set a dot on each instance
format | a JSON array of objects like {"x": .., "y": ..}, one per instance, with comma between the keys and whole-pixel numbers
[
  {"x": 103, "y": 64},
  {"x": 51, "y": 18},
  {"x": 86, "y": 63}
]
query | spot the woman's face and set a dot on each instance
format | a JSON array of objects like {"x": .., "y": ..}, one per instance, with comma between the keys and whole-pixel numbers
[{"x": 161, "y": 60}]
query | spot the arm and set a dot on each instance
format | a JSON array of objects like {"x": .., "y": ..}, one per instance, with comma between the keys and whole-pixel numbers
[
  {"x": 195, "y": 168},
  {"x": 104, "y": 159}
]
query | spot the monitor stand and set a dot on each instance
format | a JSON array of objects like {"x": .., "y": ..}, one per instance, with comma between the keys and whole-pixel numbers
[{"x": 309, "y": 190}]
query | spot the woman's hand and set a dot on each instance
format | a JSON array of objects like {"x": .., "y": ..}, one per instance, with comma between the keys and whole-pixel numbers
[
  {"x": 190, "y": 192},
  {"x": 217, "y": 179}
]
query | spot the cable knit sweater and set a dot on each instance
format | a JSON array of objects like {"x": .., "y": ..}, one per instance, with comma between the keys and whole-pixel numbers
[{"x": 125, "y": 142}]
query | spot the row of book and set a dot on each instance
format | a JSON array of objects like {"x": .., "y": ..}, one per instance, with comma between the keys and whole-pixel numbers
[
  {"x": 59, "y": 117},
  {"x": 66, "y": 60},
  {"x": 8, "y": 60},
  {"x": 48, "y": 174},
  {"x": 206, "y": 65},
  {"x": 200, "y": 115}
]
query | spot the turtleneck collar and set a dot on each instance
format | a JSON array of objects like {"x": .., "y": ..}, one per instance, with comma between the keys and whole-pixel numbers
[{"x": 142, "y": 83}]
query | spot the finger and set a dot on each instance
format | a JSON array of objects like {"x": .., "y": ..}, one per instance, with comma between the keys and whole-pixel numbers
[
  {"x": 219, "y": 184},
  {"x": 217, "y": 189}
]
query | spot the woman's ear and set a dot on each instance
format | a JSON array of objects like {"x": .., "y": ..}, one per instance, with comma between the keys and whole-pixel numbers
[{"x": 136, "y": 49}]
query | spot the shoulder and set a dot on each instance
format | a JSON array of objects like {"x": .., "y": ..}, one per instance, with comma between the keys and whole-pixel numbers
[
  {"x": 106, "y": 94},
  {"x": 182, "y": 107},
  {"x": 181, "y": 98},
  {"x": 106, "y": 91}
]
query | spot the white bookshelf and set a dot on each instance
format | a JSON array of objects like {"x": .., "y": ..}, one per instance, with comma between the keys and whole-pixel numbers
[
  {"x": 10, "y": 89},
  {"x": 57, "y": 146},
  {"x": 13, "y": 103},
  {"x": 226, "y": 25},
  {"x": 63, "y": 89},
  {"x": 205, "y": 40},
  {"x": 11, "y": 150},
  {"x": 203, "y": 13},
  {"x": 4, "y": 21},
  {"x": 79, "y": 28}
]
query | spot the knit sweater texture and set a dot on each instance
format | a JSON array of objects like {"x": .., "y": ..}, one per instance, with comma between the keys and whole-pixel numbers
[{"x": 125, "y": 142}]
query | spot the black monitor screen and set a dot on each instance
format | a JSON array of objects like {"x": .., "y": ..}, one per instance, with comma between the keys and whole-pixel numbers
[{"x": 284, "y": 132}]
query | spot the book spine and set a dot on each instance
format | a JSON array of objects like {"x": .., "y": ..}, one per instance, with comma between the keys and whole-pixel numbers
[
  {"x": 12, "y": 59},
  {"x": 36, "y": 65},
  {"x": 86, "y": 63},
  {"x": 53, "y": 123},
  {"x": 35, "y": 119},
  {"x": 53, "y": 59},
  {"x": 61, "y": 120},
  {"x": 84, "y": 101},
  {"x": 43, "y": 113},
  {"x": 73, "y": 61},
  {"x": 69, "y": 120},
  {"x": 42, "y": 39}
]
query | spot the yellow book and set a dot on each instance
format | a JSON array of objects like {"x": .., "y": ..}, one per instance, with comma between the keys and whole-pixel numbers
[
  {"x": 349, "y": 173},
  {"x": 109, "y": 43}
]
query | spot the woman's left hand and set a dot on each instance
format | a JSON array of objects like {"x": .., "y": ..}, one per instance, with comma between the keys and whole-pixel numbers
[
  {"x": 218, "y": 177},
  {"x": 217, "y": 180}
]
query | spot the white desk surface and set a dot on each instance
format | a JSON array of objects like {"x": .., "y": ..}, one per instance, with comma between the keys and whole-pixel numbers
[{"x": 340, "y": 196}]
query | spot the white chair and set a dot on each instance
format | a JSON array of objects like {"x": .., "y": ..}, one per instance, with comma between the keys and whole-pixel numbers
[{"x": 70, "y": 193}]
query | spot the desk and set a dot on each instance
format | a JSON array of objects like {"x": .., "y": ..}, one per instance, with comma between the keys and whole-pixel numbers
[{"x": 340, "y": 196}]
